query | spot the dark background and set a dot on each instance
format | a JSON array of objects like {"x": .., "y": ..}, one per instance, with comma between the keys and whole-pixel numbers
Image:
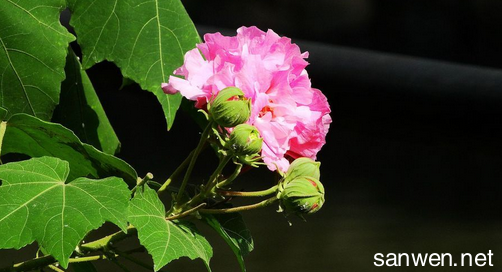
[{"x": 413, "y": 158}]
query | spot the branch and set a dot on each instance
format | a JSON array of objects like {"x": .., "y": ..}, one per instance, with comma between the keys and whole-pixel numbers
[
  {"x": 249, "y": 194},
  {"x": 185, "y": 213},
  {"x": 232, "y": 177},
  {"x": 46, "y": 261},
  {"x": 30, "y": 265},
  {"x": 55, "y": 268},
  {"x": 208, "y": 188},
  {"x": 105, "y": 241},
  {"x": 261, "y": 204}
]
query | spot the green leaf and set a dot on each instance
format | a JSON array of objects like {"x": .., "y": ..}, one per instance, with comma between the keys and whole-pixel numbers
[
  {"x": 33, "y": 46},
  {"x": 31, "y": 136},
  {"x": 81, "y": 111},
  {"x": 146, "y": 39},
  {"x": 165, "y": 240},
  {"x": 233, "y": 230},
  {"x": 37, "y": 204}
]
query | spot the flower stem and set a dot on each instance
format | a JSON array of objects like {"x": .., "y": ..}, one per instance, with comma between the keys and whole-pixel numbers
[
  {"x": 213, "y": 179},
  {"x": 175, "y": 173},
  {"x": 196, "y": 152},
  {"x": 258, "y": 205},
  {"x": 232, "y": 177},
  {"x": 208, "y": 188},
  {"x": 249, "y": 194}
]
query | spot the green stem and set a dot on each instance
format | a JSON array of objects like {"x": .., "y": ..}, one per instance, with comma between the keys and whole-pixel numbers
[
  {"x": 196, "y": 152},
  {"x": 142, "y": 182},
  {"x": 30, "y": 265},
  {"x": 232, "y": 177},
  {"x": 54, "y": 268},
  {"x": 105, "y": 241},
  {"x": 213, "y": 179},
  {"x": 208, "y": 188},
  {"x": 88, "y": 259},
  {"x": 258, "y": 205},
  {"x": 45, "y": 261},
  {"x": 175, "y": 173},
  {"x": 186, "y": 213},
  {"x": 249, "y": 194}
]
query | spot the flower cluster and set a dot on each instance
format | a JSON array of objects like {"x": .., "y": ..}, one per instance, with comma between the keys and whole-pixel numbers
[{"x": 291, "y": 116}]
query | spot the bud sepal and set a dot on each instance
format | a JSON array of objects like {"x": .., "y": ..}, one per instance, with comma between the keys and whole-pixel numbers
[
  {"x": 301, "y": 195},
  {"x": 245, "y": 144},
  {"x": 230, "y": 108},
  {"x": 302, "y": 167}
]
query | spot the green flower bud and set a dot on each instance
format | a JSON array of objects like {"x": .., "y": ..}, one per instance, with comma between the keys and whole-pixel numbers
[
  {"x": 245, "y": 140},
  {"x": 302, "y": 167},
  {"x": 302, "y": 195},
  {"x": 230, "y": 108}
]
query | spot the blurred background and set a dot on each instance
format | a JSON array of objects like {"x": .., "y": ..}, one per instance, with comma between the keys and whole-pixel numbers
[{"x": 413, "y": 158}]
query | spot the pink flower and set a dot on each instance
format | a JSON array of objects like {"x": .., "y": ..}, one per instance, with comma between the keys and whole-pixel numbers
[{"x": 291, "y": 116}]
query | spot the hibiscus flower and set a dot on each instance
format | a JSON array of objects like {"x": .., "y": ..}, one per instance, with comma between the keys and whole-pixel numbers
[{"x": 291, "y": 116}]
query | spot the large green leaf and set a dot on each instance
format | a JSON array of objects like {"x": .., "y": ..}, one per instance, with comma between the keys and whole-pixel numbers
[
  {"x": 147, "y": 39},
  {"x": 81, "y": 111},
  {"x": 31, "y": 136},
  {"x": 37, "y": 204},
  {"x": 165, "y": 240},
  {"x": 233, "y": 230},
  {"x": 33, "y": 46}
]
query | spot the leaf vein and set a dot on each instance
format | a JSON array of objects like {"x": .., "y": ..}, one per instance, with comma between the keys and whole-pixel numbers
[
  {"x": 102, "y": 29},
  {"x": 17, "y": 76},
  {"x": 28, "y": 202},
  {"x": 33, "y": 16}
]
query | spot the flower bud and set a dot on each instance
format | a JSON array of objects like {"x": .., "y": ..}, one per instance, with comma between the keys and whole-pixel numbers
[
  {"x": 230, "y": 108},
  {"x": 245, "y": 140},
  {"x": 302, "y": 195},
  {"x": 302, "y": 167}
]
